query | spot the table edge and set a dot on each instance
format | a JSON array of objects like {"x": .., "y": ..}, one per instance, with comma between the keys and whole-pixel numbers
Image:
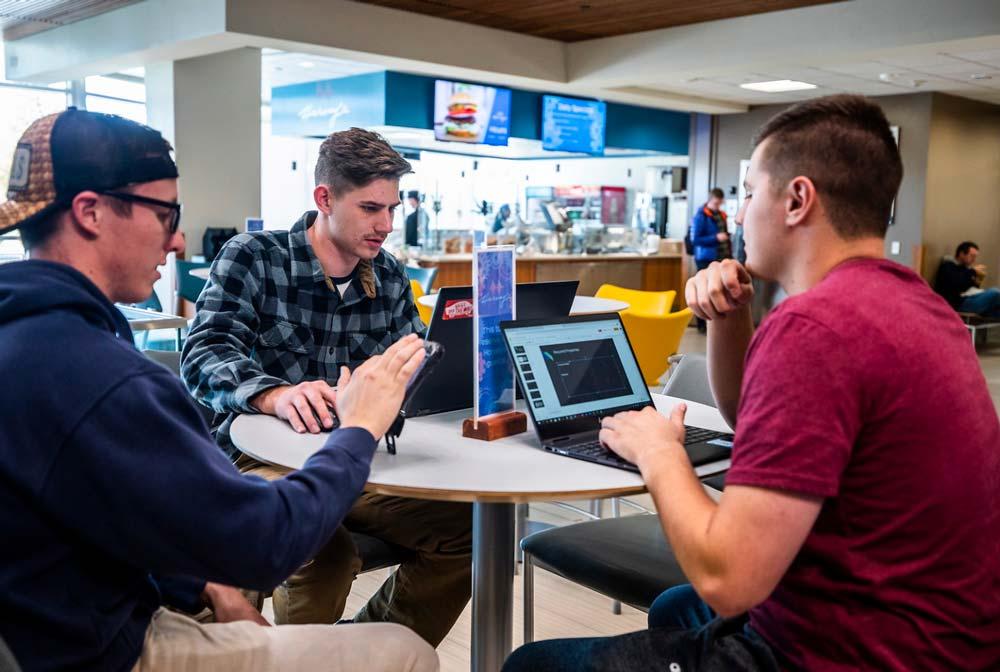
[{"x": 499, "y": 497}]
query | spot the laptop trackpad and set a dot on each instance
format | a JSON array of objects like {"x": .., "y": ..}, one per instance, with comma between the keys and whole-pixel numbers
[{"x": 704, "y": 453}]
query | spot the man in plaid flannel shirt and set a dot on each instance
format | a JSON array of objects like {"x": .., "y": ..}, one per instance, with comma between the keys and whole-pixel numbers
[{"x": 281, "y": 312}]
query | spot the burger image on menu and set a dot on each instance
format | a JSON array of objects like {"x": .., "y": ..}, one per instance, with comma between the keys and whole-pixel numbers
[{"x": 461, "y": 120}]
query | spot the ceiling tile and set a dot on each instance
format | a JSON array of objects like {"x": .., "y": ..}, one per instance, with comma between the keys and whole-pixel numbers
[
  {"x": 920, "y": 61},
  {"x": 865, "y": 70},
  {"x": 981, "y": 56},
  {"x": 742, "y": 78},
  {"x": 958, "y": 67}
]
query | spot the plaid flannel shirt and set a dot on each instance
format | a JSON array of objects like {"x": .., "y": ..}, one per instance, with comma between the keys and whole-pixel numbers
[{"x": 269, "y": 316}]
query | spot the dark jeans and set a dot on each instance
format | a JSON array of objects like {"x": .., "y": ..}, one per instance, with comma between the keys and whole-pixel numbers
[
  {"x": 684, "y": 636},
  {"x": 985, "y": 303}
]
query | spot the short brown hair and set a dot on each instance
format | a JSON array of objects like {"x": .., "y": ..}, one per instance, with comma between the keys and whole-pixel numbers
[
  {"x": 844, "y": 145},
  {"x": 716, "y": 193},
  {"x": 36, "y": 234},
  {"x": 355, "y": 158}
]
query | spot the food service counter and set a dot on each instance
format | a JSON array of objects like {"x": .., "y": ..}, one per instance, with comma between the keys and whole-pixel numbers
[{"x": 656, "y": 272}]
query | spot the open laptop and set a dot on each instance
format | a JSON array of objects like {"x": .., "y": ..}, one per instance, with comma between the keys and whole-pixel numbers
[
  {"x": 449, "y": 386},
  {"x": 575, "y": 371}
]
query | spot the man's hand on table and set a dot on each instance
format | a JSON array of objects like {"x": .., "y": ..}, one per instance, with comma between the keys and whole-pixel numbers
[
  {"x": 229, "y": 605},
  {"x": 300, "y": 405},
  {"x": 371, "y": 396},
  {"x": 647, "y": 439}
]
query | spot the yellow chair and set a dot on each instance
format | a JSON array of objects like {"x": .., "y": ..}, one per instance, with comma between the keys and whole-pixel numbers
[
  {"x": 647, "y": 303},
  {"x": 425, "y": 312},
  {"x": 655, "y": 338}
]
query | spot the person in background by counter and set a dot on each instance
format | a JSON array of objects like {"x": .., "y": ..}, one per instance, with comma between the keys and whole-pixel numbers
[
  {"x": 281, "y": 313},
  {"x": 416, "y": 221},
  {"x": 503, "y": 215},
  {"x": 710, "y": 235},
  {"x": 959, "y": 281}
]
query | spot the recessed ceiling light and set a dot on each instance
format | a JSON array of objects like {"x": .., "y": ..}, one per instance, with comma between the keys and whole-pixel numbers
[
  {"x": 306, "y": 64},
  {"x": 778, "y": 86},
  {"x": 901, "y": 79}
]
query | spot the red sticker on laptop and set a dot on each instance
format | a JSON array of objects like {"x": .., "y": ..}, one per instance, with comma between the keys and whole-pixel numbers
[{"x": 457, "y": 309}]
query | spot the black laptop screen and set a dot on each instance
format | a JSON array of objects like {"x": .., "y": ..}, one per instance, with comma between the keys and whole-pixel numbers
[{"x": 575, "y": 368}]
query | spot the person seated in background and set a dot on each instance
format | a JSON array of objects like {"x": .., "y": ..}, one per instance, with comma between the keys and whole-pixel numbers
[
  {"x": 114, "y": 499},
  {"x": 859, "y": 523},
  {"x": 281, "y": 313},
  {"x": 960, "y": 280}
]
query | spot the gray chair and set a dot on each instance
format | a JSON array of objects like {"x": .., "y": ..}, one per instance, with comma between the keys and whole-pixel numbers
[
  {"x": 168, "y": 358},
  {"x": 689, "y": 380},
  {"x": 628, "y": 559},
  {"x": 374, "y": 552},
  {"x": 7, "y": 661}
]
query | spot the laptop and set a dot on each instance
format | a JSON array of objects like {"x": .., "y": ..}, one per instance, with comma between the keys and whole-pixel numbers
[
  {"x": 575, "y": 371},
  {"x": 449, "y": 386}
]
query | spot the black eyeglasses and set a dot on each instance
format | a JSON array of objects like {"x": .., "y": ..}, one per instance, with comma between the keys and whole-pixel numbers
[{"x": 174, "y": 208}]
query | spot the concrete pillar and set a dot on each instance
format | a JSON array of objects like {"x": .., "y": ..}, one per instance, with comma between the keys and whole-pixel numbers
[
  {"x": 701, "y": 152},
  {"x": 209, "y": 109}
]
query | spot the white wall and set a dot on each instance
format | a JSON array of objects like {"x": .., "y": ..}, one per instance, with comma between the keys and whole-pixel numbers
[{"x": 209, "y": 108}]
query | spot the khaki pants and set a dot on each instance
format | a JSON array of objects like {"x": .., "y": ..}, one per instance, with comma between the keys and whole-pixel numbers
[
  {"x": 176, "y": 642},
  {"x": 426, "y": 594}
]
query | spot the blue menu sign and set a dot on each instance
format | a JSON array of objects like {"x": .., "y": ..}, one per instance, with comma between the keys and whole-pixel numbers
[
  {"x": 493, "y": 302},
  {"x": 573, "y": 125}
]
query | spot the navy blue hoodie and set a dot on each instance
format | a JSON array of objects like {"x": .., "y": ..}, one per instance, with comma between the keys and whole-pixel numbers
[{"x": 112, "y": 492}]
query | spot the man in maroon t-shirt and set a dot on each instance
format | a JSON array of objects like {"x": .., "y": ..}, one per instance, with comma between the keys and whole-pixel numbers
[{"x": 860, "y": 524}]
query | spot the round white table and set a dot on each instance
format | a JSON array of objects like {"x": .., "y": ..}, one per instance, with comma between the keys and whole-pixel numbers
[
  {"x": 200, "y": 273},
  {"x": 434, "y": 461},
  {"x": 582, "y": 305}
]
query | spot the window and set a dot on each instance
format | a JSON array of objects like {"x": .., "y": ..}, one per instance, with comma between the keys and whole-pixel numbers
[
  {"x": 123, "y": 108},
  {"x": 22, "y": 104},
  {"x": 124, "y": 95}
]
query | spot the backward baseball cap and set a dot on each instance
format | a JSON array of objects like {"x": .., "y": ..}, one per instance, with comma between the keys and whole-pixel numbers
[{"x": 65, "y": 153}]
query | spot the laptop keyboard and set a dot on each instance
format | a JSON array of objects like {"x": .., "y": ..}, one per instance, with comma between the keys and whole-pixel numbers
[{"x": 594, "y": 449}]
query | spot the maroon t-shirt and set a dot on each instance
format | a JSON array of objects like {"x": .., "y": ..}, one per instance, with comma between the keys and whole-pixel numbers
[{"x": 866, "y": 391}]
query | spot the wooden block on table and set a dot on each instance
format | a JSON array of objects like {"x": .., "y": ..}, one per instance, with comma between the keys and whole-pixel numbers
[{"x": 496, "y": 426}]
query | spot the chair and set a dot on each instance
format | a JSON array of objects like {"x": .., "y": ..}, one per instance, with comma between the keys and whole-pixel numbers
[
  {"x": 425, "y": 311},
  {"x": 188, "y": 286},
  {"x": 374, "y": 552},
  {"x": 689, "y": 380},
  {"x": 425, "y": 276},
  {"x": 654, "y": 303},
  {"x": 628, "y": 559},
  {"x": 655, "y": 339},
  {"x": 7, "y": 661}
]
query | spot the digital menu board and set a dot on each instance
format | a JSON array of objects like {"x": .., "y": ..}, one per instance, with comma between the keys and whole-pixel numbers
[
  {"x": 471, "y": 113},
  {"x": 573, "y": 125}
]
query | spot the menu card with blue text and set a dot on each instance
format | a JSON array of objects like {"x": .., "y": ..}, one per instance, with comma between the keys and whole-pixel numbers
[{"x": 493, "y": 301}]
